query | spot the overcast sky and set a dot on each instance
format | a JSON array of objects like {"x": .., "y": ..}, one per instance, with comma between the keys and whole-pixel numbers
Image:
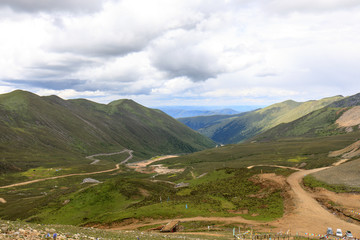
[{"x": 181, "y": 52}]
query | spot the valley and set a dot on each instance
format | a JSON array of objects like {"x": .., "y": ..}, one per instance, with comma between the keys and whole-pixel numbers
[{"x": 278, "y": 180}]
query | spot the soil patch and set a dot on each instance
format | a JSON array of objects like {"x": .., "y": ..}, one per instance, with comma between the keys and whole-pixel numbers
[{"x": 349, "y": 118}]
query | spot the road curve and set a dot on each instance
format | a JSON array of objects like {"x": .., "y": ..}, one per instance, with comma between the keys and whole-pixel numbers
[
  {"x": 309, "y": 216},
  {"x": 117, "y": 166}
]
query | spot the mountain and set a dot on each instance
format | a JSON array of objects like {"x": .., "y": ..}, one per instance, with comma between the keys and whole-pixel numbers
[
  {"x": 187, "y": 111},
  {"x": 206, "y": 122},
  {"x": 38, "y": 130},
  {"x": 339, "y": 117},
  {"x": 237, "y": 128}
]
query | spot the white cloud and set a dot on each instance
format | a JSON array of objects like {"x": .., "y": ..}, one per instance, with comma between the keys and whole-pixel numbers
[
  {"x": 52, "y": 6},
  {"x": 284, "y": 6},
  {"x": 70, "y": 93},
  {"x": 182, "y": 50}
]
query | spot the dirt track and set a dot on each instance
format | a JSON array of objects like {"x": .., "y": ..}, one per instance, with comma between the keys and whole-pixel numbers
[
  {"x": 78, "y": 174},
  {"x": 309, "y": 216}
]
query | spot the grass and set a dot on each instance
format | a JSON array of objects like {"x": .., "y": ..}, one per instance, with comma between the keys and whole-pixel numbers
[
  {"x": 311, "y": 182},
  {"x": 237, "y": 128},
  {"x": 119, "y": 197},
  {"x": 313, "y": 152},
  {"x": 225, "y": 186},
  {"x": 51, "y": 132}
]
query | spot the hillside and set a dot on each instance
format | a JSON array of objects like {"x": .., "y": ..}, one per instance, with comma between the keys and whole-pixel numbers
[
  {"x": 337, "y": 118},
  {"x": 237, "y": 128},
  {"x": 48, "y": 130}
]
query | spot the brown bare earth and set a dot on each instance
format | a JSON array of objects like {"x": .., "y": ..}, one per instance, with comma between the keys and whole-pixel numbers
[
  {"x": 350, "y": 151},
  {"x": 349, "y": 118},
  {"x": 348, "y": 200},
  {"x": 308, "y": 215},
  {"x": 144, "y": 167},
  {"x": 305, "y": 216}
]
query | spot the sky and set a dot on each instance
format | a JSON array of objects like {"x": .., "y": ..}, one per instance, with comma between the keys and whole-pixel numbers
[{"x": 181, "y": 52}]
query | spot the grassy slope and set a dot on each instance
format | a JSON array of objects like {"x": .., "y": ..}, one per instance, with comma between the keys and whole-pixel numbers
[
  {"x": 317, "y": 123},
  {"x": 287, "y": 152},
  {"x": 37, "y": 131},
  {"x": 239, "y": 128},
  {"x": 122, "y": 198}
]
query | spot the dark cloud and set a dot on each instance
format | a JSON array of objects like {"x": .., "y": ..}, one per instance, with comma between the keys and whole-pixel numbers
[
  {"x": 47, "y": 84},
  {"x": 53, "y": 5},
  {"x": 101, "y": 49},
  {"x": 59, "y": 70}
]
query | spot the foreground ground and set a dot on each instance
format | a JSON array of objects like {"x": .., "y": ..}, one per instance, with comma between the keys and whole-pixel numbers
[{"x": 303, "y": 214}]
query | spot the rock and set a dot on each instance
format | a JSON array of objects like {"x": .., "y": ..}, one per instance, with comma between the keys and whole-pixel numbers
[
  {"x": 90, "y": 180},
  {"x": 182, "y": 184},
  {"x": 4, "y": 229}
]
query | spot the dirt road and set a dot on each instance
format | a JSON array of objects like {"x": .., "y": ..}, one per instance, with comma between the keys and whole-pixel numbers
[
  {"x": 309, "y": 216},
  {"x": 78, "y": 174},
  {"x": 199, "y": 219},
  {"x": 159, "y": 169}
]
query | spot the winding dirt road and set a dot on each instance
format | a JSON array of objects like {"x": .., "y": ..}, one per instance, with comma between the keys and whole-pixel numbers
[
  {"x": 117, "y": 166},
  {"x": 309, "y": 216}
]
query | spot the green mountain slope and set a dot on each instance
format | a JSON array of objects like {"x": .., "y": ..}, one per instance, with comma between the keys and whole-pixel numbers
[
  {"x": 36, "y": 130},
  {"x": 322, "y": 122},
  {"x": 237, "y": 128}
]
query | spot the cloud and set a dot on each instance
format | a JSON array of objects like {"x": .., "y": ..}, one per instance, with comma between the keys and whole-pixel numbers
[
  {"x": 53, "y": 6},
  {"x": 121, "y": 28},
  {"x": 182, "y": 53},
  {"x": 284, "y": 6},
  {"x": 47, "y": 84},
  {"x": 181, "y": 50}
]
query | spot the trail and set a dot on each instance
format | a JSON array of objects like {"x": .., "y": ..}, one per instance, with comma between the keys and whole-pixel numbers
[
  {"x": 202, "y": 219},
  {"x": 309, "y": 216},
  {"x": 117, "y": 166},
  {"x": 277, "y": 166}
]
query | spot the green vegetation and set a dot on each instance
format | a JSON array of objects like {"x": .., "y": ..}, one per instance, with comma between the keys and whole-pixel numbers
[
  {"x": 305, "y": 152},
  {"x": 50, "y": 132},
  {"x": 240, "y": 127},
  {"x": 131, "y": 195},
  {"x": 311, "y": 182}
]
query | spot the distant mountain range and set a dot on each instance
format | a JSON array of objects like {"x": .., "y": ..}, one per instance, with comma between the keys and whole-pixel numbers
[
  {"x": 194, "y": 111},
  {"x": 35, "y": 130},
  {"x": 241, "y": 127}
]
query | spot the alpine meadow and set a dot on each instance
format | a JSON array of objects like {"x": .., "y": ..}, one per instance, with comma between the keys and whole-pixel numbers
[{"x": 149, "y": 120}]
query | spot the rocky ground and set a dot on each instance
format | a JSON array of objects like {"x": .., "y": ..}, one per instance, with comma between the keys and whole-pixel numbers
[{"x": 21, "y": 230}]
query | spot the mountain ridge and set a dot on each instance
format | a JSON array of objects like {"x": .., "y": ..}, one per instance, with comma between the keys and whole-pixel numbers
[
  {"x": 50, "y": 126},
  {"x": 233, "y": 129}
]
